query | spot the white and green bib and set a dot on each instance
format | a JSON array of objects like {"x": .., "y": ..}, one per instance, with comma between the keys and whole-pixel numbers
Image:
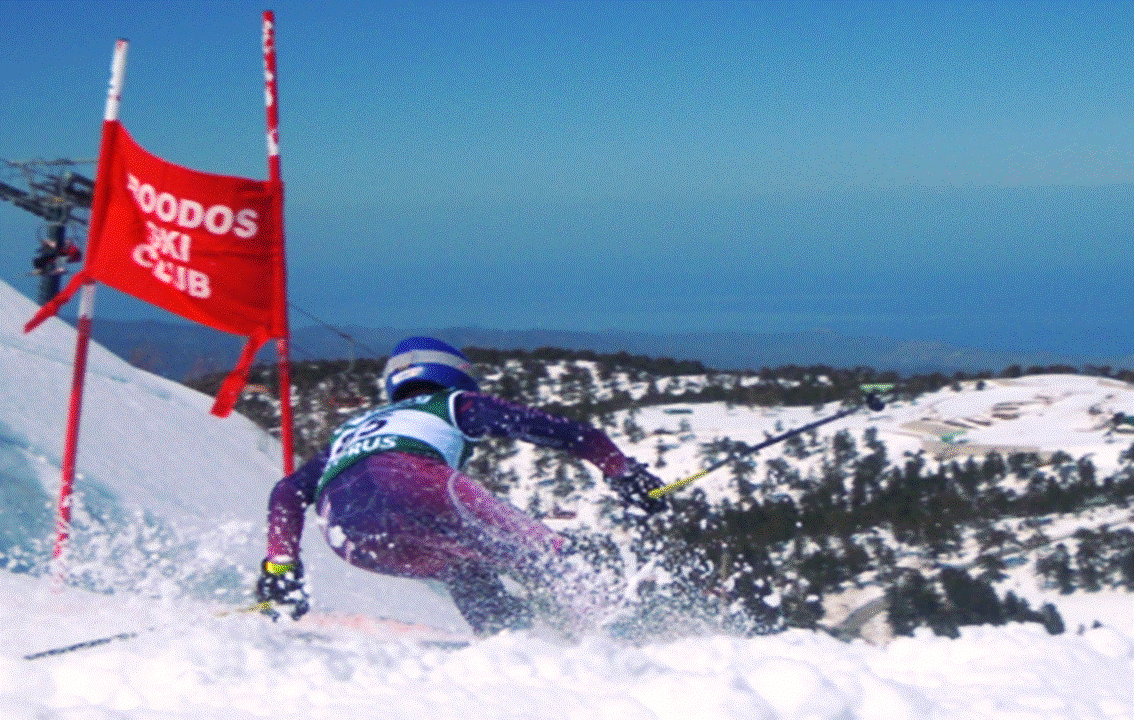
[{"x": 425, "y": 425}]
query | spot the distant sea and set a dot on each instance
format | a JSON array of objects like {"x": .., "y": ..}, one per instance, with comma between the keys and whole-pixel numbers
[{"x": 182, "y": 351}]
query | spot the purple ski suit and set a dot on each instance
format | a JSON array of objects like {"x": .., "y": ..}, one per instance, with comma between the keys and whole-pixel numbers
[{"x": 398, "y": 504}]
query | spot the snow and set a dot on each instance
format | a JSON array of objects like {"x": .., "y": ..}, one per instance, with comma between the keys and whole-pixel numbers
[
  {"x": 172, "y": 513},
  {"x": 1040, "y": 413}
]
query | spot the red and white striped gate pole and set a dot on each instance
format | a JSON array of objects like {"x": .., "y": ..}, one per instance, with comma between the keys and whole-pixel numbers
[
  {"x": 271, "y": 101},
  {"x": 86, "y": 304}
]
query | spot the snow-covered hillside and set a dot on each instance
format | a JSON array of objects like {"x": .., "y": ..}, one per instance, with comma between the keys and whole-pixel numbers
[
  {"x": 1040, "y": 414},
  {"x": 171, "y": 514},
  {"x": 165, "y": 489}
]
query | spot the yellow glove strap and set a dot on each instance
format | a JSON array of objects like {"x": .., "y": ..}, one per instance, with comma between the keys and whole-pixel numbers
[{"x": 278, "y": 568}]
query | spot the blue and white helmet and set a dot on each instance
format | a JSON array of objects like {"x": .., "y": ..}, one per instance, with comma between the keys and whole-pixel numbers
[{"x": 424, "y": 359}]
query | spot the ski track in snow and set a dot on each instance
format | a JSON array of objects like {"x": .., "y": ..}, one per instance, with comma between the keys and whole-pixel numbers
[
  {"x": 149, "y": 446},
  {"x": 196, "y": 665}
]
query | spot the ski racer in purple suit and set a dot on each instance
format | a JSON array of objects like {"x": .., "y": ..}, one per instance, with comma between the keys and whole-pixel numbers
[{"x": 391, "y": 498}]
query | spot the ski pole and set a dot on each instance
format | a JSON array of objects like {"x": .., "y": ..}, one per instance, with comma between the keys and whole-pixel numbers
[
  {"x": 86, "y": 644},
  {"x": 872, "y": 401},
  {"x": 258, "y": 607}
]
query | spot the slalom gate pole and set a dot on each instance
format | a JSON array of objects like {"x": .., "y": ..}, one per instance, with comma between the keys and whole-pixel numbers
[
  {"x": 872, "y": 401},
  {"x": 130, "y": 635},
  {"x": 74, "y": 412},
  {"x": 86, "y": 311},
  {"x": 283, "y": 352}
]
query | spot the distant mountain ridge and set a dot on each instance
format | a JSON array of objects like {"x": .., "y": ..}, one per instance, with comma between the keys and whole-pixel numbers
[{"x": 181, "y": 351}]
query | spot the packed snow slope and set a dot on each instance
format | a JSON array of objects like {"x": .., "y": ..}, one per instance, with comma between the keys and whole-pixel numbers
[
  {"x": 170, "y": 529},
  {"x": 165, "y": 492}
]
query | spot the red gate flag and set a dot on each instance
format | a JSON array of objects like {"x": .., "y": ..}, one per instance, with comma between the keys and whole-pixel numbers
[{"x": 205, "y": 247}]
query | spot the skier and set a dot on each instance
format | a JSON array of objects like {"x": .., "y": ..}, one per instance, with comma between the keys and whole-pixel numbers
[{"x": 391, "y": 498}]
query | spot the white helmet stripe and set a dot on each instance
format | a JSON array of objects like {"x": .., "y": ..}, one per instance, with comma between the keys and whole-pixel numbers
[{"x": 415, "y": 357}]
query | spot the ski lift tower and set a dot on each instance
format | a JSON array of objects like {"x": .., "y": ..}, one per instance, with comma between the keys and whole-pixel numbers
[{"x": 54, "y": 191}]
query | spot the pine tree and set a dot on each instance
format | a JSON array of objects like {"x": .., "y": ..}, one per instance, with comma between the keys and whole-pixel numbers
[
  {"x": 1056, "y": 569},
  {"x": 973, "y": 602},
  {"x": 1088, "y": 560},
  {"x": 913, "y": 602}
]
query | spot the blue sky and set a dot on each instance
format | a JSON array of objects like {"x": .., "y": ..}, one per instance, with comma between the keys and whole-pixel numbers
[{"x": 925, "y": 170}]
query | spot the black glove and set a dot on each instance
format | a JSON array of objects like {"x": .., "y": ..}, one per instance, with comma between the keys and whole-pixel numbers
[
  {"x": 633, "y": 488},
  {"x": 281, "y": 586}
]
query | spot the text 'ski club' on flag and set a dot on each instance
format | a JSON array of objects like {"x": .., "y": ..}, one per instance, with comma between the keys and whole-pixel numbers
[{"x": 202, "y": 246}]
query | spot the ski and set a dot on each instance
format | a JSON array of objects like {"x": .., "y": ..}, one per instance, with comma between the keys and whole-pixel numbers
[
  {"x": 315, "y": 627},
  {"x": 85, "y": 644}
]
